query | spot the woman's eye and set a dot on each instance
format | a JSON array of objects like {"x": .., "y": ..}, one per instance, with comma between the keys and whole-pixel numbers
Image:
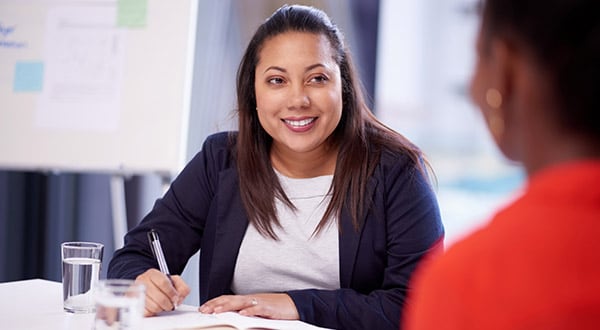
[
  {"x": 275, "y": 81},
  {"x": 319, "y": 79}
]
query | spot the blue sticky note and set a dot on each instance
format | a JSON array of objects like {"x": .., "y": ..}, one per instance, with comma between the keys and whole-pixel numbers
[{"x": 28, "y": 77}]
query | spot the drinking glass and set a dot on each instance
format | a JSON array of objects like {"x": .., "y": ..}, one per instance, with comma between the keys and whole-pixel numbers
[
  {"x": 80, "y": 272},
  {"x": 119, "y": 304}
]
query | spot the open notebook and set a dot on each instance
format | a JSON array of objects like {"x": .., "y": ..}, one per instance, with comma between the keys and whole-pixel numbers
[{"x": 187, "y": 317}]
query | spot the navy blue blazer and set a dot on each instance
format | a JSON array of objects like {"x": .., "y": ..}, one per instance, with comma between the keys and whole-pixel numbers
[{"x": 203, "y": 210}]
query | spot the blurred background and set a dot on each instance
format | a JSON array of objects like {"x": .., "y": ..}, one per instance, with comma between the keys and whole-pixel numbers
[{"x": 415, "y": 59}]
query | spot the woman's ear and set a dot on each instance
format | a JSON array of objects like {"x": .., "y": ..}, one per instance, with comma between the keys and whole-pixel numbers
[
  {"x": 513, "y": 73},
  {"x": 502, "y": 96},
  {"x": 502, "y": 68}
]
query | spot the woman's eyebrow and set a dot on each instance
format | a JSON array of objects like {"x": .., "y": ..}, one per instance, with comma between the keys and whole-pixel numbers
[
  {"x": 308, "y": 68},
  {"x": 273, "y": 67}
]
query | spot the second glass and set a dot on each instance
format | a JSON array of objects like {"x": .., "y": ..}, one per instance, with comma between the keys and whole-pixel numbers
[{"x": 119, "y": 304}]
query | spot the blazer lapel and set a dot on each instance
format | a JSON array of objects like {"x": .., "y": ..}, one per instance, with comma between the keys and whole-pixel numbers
[
  {"x": 349, "y": 239},
  {"x": 230, "y": 229}
]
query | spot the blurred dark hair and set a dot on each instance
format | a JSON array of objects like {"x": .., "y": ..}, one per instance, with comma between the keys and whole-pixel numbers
[
  {"x": 564, "y": 38},
  {"x": 359, "y": 135}
]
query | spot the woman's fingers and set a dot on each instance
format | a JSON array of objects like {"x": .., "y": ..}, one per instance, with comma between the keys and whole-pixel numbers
[
  {"x": 161, "y": 294},
  {"x": 223, "y": 303},
  {"x": 183, "y": 290},
  {"x": 268, "y": 305}
]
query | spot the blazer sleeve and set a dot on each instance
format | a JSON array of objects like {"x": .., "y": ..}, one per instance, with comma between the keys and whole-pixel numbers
[
  {"x": 179, "y": 217},
  {"x": 403, "y": 225}
]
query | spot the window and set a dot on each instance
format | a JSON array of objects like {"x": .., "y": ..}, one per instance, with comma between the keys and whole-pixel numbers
[{"x": 425, "y": 57}]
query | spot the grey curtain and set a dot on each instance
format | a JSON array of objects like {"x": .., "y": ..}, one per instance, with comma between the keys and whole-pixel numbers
[{"x": 39, "y": 210}]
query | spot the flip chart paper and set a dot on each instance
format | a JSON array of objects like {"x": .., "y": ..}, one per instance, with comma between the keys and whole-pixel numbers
[{"x": 84, "y": 70}]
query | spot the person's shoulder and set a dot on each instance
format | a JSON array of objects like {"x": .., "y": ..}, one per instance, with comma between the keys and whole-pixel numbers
[
  {"x": 221, "y": 139},
  {"x": 392, "y": 147},
  {"x": 450, "y": 286},
  {"x": 395, "y": 156},
  {"x": 220, "y": 142},
  {"x": 481, "y": 248},
  {"x": 395, "y": 160},
  {"x": 460, "y": 263},
  {"x": 218, "y": 148}
]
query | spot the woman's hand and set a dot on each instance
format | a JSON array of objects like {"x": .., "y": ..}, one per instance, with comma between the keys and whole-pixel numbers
[
  {"x": 161, "y": 295},
  {"x": 268, "y": 305}
]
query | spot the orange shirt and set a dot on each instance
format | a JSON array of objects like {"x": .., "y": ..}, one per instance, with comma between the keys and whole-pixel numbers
[{"x": 535, "y": 266}]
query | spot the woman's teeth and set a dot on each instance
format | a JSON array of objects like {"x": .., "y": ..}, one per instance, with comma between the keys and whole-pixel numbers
[{"x": 299, "y": 123}]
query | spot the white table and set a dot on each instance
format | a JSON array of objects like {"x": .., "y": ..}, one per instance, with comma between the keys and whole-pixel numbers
[{"x": 37, "y": 304}]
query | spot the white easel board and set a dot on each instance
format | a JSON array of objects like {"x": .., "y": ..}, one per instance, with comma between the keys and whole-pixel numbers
[{"x": 95, "y": 85}]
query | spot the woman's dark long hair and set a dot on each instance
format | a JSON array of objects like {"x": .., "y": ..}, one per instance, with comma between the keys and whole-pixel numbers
[
  {"x": 564, "y": 38},
  {"x": 360, "y": 136}
]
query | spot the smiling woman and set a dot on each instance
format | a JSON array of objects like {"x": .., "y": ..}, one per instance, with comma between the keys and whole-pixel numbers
[
  {"x": 299, "y": 102},
  {"x": 313, "y": 210}
]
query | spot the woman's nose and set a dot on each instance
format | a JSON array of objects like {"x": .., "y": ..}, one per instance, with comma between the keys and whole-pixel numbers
[{"x": 299, "y": 98}]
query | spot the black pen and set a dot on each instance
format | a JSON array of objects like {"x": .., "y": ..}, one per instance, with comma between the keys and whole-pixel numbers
[{"x": 158, "y": 253}]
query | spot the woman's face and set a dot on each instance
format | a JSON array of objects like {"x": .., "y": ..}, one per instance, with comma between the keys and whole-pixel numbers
[{"x": 298, "y": 91}]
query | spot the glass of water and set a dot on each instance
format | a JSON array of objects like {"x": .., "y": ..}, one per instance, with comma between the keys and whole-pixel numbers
[
  {"x": 119, "y": 304},
  {"x": 80, "y": 272}
]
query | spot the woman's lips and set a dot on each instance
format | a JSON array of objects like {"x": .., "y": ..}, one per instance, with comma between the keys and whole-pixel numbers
[{"x": 300, "y": 125}]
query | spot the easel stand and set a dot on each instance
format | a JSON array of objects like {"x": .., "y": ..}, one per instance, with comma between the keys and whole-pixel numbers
[
  {"x": 119, "y": 206},
  {"x": 119, "y": 210}
]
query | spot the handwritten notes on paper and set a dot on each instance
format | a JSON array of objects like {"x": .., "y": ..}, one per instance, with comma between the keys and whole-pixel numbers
[
  {"x": 84, "y": 64},
  {"x": 7, "y": 39}
]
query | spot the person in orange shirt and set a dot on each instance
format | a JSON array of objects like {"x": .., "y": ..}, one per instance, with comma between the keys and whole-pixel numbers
[{"x": 536, "y": 265}]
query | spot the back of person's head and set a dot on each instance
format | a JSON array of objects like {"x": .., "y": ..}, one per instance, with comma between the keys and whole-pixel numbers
[
  {"x": 297, "y": 18},
  {"x": 563, "y": 36}
]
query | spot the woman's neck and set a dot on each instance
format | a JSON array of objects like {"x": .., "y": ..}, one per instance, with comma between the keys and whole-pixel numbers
[
  {"x": 306, "y": 164},
  {"x": 560, "y": 148}
]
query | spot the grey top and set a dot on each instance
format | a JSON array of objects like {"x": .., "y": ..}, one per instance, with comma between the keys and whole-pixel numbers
[{"x": 299, "y": 259}]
